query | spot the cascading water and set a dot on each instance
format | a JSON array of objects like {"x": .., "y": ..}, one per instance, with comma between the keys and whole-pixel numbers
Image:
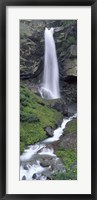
[
  {"x": 50, "y": 86},
  {"x": 39, "y": 160}
]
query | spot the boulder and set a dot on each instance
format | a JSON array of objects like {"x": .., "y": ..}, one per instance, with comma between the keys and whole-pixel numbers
[
  {"x": 26, "y": 167},
  {"x": 34, "y": 176},
  {"x": 24, "y": 178},
  {"x": 49, "y": 131},
  {"x": 59, "y": 105}
]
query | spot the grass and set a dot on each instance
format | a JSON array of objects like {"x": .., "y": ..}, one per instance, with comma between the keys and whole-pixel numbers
[
  {"x": 69, "y": 158},
  {"x": 71, "y": 127},
  {"x": 35, "y": 115}
]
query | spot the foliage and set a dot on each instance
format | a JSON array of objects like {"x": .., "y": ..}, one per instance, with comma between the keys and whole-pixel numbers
[
  {"x": 71, "y": 127},
  {"x": 35, "y": 115},
  {"x": 69, "y": 175},
  {"x": 69, "y": 157}
]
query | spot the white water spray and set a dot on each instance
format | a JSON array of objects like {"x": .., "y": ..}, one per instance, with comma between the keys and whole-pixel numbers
[{"x": 50, "y": 87}]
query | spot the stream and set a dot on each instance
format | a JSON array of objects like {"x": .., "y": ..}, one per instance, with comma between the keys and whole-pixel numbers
[{"x": 39, "y": 162}]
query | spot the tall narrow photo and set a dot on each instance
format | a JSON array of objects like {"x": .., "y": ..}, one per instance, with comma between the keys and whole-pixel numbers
[{"x": 48, "y": 100}]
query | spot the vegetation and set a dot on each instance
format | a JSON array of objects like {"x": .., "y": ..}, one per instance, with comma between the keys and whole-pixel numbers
[
  {"x": 36, "y": 113},
  {"x": 71, "y": 127},
  {"x": 69, "y": 158},
  {"x": 35, "y": 116},
  {"x": 68, "y": 154}
]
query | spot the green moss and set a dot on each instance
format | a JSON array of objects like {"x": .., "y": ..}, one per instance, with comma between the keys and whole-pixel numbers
[
  {"x": 71, "y": 127},
  {"x": 69, "y": 41},
  {"x": 35, "y": 115},
  {"x": 68, "y": 23},
  {"x": 69, "y": 175},
  {"x": 69, "y": 158},
  {"x": 27, "y": 117}
]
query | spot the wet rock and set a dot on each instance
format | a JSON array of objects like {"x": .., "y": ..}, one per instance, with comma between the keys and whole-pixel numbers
[
  {"x": 34, "y": 176},
  {"x": 44, "y": 164},
  {"x": 49, "y": 131},
  {"x": 49, "y": 178},
  {"x": 58, "y": 123},
  {"x": 69, "y": 92},
  {"x": 57, "y": 165},
  {"x": 47, "y": 173},
  {"x": 60, "y": 106},
  {"x": 72, "y": 109},
  {"x": 24, "y": 178},
  {"x": 26, "y": 167}
]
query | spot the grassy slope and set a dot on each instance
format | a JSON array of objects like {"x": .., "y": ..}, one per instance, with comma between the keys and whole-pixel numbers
[
  {"x": 35, "y": 115},
  {"x": 68, "y": 156}
]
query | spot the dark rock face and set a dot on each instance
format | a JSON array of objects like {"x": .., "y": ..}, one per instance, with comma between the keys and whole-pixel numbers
[
  {"x": 32, "y": 54},
  {"x": 58, "y": 123},
  {"x": 59, "y": 105}
]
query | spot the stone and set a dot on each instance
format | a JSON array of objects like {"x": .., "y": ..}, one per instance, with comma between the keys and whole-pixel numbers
[
  {"x": 49, "y": 178},
  {"x": 58, "y": 123},
  {"x": 58, "y": 29},
  {"x": 24, "y": 177},
  {"x": 49, "y": 131},
  {"x": 70, "y": 67},
  {"x": 34, "y": 176},
  {"x": 25, "y": 167},
  {"x": 59, "y": 105},
  {"x": 73, "y": 50}
]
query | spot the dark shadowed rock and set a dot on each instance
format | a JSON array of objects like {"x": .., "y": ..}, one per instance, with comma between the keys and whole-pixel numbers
[
  {"x": 59, "y": 105},
  {"x": 44, "y": 163},
  {"x": 49, "y": 178},
  {"x": 58, "y": 123},
  {"x": 49, "y": 131},
  {"x": 34, "y": 176},
  {"x": 24, "y": 178},
  {"x": 25, "y": 167}
]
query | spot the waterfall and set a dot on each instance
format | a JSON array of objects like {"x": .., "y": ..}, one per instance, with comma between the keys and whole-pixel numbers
[{"x": 50, "y": 86}]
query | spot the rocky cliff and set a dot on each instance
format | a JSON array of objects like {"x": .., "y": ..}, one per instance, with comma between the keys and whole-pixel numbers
[{"x": 32, "y": 55}]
